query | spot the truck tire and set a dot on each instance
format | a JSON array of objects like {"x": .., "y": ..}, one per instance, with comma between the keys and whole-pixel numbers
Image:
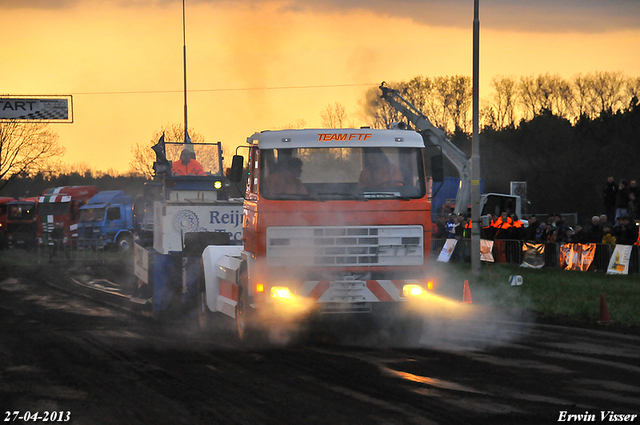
[
  {"x": 124, "y": 243},
  {"x": 248, "y": 332}
]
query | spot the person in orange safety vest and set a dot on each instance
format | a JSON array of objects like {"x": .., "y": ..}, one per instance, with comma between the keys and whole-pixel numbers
[
  {"x": 502, "y": 226},
  {"x": 187, "y": 165}
]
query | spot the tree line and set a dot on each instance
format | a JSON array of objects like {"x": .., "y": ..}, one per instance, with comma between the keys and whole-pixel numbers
[{"x": 447, "y": 100}]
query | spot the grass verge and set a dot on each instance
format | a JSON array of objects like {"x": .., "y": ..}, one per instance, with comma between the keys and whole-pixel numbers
[{"x": 559, "y": 296}]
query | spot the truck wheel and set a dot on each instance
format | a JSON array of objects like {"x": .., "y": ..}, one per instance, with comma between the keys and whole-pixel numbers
[
  {"x": 124, "y": 243},
  {"x": 204, "y": 314}
]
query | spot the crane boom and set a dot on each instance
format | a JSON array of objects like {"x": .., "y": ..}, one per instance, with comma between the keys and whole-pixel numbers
[{"x": 437, "y": 137}]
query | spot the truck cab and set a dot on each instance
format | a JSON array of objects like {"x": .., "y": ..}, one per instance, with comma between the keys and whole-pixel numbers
[
  {"x": 21, "y": 222},
  {"x": 107, "y": 221},
  {"x": 59, "y": 207}
]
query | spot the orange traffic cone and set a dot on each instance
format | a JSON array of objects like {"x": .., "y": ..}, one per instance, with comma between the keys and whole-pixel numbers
[
  {"x": 604, "y": 310},
  {"x": 466, "y": 296}
]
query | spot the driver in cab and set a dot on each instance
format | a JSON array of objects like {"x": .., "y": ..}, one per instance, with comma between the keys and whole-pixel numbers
[
  {"x": 378, "y": 170},
  {"x": 286, "y": 181},
  {"x": 187, "y": 165}
]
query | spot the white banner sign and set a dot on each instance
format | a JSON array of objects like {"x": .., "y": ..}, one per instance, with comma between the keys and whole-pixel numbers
[
  {"x": 486, "y": 246},
  {"x": 619, "y": 261},
  {"x": 447, "y": 250},
  {"x": 29, "y": 109}
]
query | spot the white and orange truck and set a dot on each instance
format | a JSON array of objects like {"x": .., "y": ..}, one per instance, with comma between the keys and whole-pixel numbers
[{"x": 341, "y": 240}]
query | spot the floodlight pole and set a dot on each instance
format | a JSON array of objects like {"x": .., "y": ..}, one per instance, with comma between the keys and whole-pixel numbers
[
  {"x": 184, "y": 56},
  {"x": 475, "y": 150}
]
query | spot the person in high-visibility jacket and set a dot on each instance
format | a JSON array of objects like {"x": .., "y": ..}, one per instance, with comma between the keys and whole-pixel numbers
[
  {"x": 502, "y": 225},
  {"x": 187, "y": 165},
  {"x": 467, "y": 228}
]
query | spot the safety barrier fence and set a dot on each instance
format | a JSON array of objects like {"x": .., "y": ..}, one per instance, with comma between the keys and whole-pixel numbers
[{"x": 511, "y": 251}]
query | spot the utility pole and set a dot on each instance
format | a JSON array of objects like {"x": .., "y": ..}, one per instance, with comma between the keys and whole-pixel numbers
[
  {"x": 184, "y": 56},
  {"x": 475, "y": 149}
]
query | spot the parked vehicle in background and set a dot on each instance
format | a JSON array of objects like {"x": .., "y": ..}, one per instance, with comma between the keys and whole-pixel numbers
[
  {"x": 107, "y": 221},
  {"x": 60, "y": 207},
  {"x": 22, "y": 225}
]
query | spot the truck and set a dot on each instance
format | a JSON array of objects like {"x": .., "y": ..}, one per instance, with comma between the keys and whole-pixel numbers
[
  {"x": 106, "y": 221},
  {"x": 21, "y": 223},
  {"x": 60, "y": 207},
  {"x": 342, "y": 245},
  {"x": 490, "y": 203},
  {"x": 176, "y": 217}
]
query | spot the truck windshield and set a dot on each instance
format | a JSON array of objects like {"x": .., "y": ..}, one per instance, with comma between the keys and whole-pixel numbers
[
  {"x": 90, "y": 215},
  {"x": 21, "y": 211},
  {"x": 342, "y": 173},
  {"x": 54, "y": 208}
]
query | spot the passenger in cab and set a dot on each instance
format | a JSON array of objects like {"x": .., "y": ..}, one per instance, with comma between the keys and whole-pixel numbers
[
  {"x": 286, "y": 181},
  {"x": 378, "y": 170},
  {"x": 187, "y": 165}
]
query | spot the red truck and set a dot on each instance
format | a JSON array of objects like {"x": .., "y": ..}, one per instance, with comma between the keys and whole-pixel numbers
[
  {"x": 22, "y": 223},
  {"x": 60, "y": 207}
]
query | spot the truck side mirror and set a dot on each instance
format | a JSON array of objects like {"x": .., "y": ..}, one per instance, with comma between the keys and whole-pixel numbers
[
  {"x": 237, "y": 167},
  {"x": 437, "y": 168}
]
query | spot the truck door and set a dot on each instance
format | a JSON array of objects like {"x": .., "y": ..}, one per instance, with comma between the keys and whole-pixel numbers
[{"x": 115, "y": 220}]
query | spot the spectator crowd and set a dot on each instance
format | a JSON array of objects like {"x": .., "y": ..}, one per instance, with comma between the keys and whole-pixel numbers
[{"x": 617, "y": 225}]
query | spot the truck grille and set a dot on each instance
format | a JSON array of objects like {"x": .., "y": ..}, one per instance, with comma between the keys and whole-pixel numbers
[{"x": 345, "y": 246}]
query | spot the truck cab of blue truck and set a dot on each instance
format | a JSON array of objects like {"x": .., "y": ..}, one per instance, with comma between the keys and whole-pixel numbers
[{"x": 106, "y": 221}]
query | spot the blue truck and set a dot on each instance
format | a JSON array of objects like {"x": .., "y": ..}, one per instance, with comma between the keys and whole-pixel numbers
[{"x": 106, "y": 221}]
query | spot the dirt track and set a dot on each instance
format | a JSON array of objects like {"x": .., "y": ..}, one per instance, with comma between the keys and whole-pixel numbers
[{"x": 63, "y": 352}]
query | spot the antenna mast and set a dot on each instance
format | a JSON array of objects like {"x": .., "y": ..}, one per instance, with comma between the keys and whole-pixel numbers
[{"x": 184, "y": 55}]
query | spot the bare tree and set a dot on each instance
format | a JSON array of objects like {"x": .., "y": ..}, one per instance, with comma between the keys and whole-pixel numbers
[
  {"x": 26, "y": 149},
  {"x": 459, "y": 107},
  {"x": 583, "y": 96},
  {"x": 335, "y": 116},
  {"x": 607, "y": 88},
  {"x": 632, "y": 88},
  {"x": 144, "y": 157},
  {"x": 504, "y": 101},
  {"x": 529, "y": 96}
]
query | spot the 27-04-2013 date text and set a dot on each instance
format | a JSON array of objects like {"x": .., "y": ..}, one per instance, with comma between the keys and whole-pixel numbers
[{"x": 46, "y": 416}]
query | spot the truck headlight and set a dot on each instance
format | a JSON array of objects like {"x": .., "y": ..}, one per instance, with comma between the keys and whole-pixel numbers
[
  {"x": 412, "y": 290},
  {"x": 280, "y": 292}
]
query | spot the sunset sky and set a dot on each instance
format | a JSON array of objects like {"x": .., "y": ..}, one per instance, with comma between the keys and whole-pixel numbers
[{"x": 254, "y": 65}]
